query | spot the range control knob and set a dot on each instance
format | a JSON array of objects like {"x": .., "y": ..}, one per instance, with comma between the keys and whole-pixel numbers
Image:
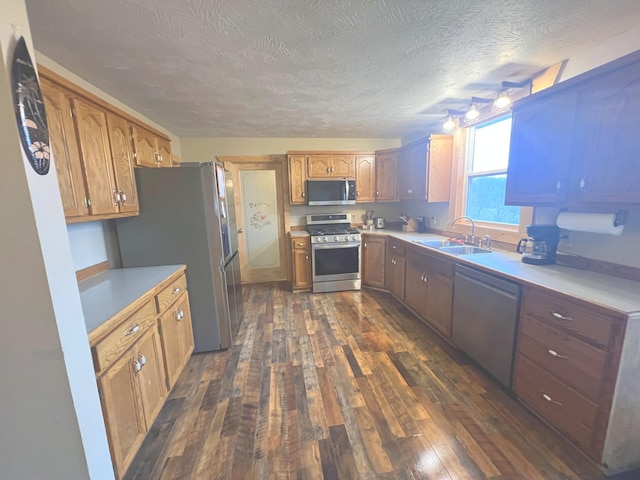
[
  {"x": 346, "y": 238},
  {"x": 336, "y": 238},
  {"x": 324, "y": 239},
  {"x": 353, "y": 237}
]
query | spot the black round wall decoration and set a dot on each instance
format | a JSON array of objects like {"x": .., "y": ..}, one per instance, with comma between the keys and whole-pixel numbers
[{"x": 29, "y": 107}]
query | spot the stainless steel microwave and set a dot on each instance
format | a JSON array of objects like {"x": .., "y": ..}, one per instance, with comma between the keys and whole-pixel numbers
[{"x": 331, "y": 192}]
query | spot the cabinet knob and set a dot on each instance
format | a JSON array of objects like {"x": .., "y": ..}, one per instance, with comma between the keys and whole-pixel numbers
[
  {"x": 365, "y": 245},
  {"x": 116, "y": 196},
  {"x": 123, "y": 197},
  {"x": 306, "y": 257},
  {"x": 240, "y": 230},
  {"x": 142, "y": 359},
  {"x": 175, "y": 291},
  {"x": 137, "y": 366},
  {"x": 303, "y": 194}
]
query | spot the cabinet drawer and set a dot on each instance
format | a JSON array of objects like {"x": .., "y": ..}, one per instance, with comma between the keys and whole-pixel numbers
[
  {"x": 397, "y": 247},
  {"x": 582, "y": 319},
  {"x": 560, "y": 405},
  {"x": 170, "y": 293},
  {"x": 124, "y": 335},
  {"x": 576, "y": 363},
  {"x": 300, "y": 243}
]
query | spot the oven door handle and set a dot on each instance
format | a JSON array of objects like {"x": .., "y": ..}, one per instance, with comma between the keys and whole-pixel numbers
[{"x": 335, "y": 245}]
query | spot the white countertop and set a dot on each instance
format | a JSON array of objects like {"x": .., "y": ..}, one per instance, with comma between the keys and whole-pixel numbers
[
  {"x": 606, "y": 290},
  {"x": 299, "y": 233},
  {"x": 109, "y": 292}
]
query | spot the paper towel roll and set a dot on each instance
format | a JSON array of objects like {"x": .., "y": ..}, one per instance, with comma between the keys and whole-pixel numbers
[{"x": 590, "y": 222}]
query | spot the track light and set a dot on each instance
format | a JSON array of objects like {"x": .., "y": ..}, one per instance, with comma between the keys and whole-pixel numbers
[
  {"x": 503, "y": 101},
  {"x": 472, "y": 114},
  {"x": 449, "y": 125}
]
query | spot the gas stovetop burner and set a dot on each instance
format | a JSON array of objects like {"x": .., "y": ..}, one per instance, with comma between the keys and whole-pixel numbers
[{"x": 333, "y": 230}]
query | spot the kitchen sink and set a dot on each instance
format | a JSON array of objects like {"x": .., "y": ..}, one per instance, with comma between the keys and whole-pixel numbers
[
  {"x": 437, "y": 243},
  {"x": 464, "y": 250}
]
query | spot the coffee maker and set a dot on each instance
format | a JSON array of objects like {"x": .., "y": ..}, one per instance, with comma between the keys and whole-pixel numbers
[{"x": 541, "y": 245}]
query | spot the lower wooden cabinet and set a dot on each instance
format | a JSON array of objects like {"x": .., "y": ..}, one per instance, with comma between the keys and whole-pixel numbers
[
  {"x": 567, "y": 360},
  {"x": 138, "y": 357},
  {"x": 373, "y": 260},
  {"x": 429, "y": 289},
  {"x": 395, "y": 267},
  {"x": 301, "y": 260}
]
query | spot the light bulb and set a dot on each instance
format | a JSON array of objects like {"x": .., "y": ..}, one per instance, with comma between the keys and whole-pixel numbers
[
  {"x": 472, "y": 114},
  {"x": 449, "y": 125},
  {"x": 503, "y": 101}
]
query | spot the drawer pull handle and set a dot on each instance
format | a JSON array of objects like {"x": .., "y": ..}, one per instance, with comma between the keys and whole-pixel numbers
[
  {"x": 143, "y": 359},
  {"x": 135, "y": 329},
  {"x": 549, "y": 399},
  {"x": 136, "y": 365},
  {"x": 175, "y": 291},
  {"x": 559, "y": 316},
  {"x": 555, "y": 354},
  {"x": 180, "y": 315}
]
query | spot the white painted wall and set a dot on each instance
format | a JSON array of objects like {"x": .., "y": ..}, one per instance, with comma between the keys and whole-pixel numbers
[{"x": 51, "y": 423}]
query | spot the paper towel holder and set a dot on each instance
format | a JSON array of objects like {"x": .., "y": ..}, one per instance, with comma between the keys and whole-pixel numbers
[{"x": 621, "y": 217}]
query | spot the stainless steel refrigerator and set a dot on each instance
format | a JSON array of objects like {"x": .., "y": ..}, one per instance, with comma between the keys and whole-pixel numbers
[{"x": 187, "y": 216}]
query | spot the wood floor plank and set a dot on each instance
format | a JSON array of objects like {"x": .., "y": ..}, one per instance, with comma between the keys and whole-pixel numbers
[{"x": 346, "y": 385}]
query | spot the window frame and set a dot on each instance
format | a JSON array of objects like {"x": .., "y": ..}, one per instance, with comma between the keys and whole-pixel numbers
[{"x": 501, "y": 232}]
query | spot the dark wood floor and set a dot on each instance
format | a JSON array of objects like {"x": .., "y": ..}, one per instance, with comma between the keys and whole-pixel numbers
[{"x": 345, "y": 385}]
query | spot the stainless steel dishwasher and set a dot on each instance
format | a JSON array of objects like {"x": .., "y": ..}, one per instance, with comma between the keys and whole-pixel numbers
[{"x": 485, "y": 318}]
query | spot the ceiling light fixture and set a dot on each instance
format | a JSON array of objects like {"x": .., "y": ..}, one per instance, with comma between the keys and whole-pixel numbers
[
  {"x": 472, "y": 114},
  {"x": 503, "y": 102},
  {"x": 449, "y": 125}
]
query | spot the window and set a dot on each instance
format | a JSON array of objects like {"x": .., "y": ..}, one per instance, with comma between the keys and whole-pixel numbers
[{"x": 486, "y": 174}]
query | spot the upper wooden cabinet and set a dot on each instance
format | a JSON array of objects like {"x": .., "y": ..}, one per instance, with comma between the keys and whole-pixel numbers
[
  {"x": 424, "y": 169},
  {"x": 297, "y": 179},
  {"x": 324, "y": 166},
  {"x": 387, "y": 176},
  {"x": 149, "y": 149},
  {"x": 576, "y": 144},
  {"x": 64, "y": 147},
  {"x": 91, "y": 142},
  {"x": 365, "y": 178}
]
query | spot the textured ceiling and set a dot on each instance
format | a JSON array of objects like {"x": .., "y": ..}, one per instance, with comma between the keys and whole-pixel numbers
[{"x": 313, "y": 68}]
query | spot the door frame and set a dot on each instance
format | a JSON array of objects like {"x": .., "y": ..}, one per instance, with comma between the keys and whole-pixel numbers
[{"x": 236, "y": 164}]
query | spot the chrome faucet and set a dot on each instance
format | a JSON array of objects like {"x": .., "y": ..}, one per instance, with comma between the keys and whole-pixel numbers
[{"x": 473, "y": 227}]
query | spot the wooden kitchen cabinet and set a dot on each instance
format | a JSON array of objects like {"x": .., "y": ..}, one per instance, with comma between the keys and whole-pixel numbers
[
  {"x": 177, "y": 337},
  {"x": 301, "y": 261},
  {"x": 132, "y": 391},
  {"x": 64, "y": 147},
  {"x": 365, "y": 178},
  {"x": 429, "y": 289},
  {"x": 567, "y": 360},
  {"x": 424, "y": 169},
  {"x": 395, "y": 268},
  {"x": 149, "y": 149},
  {"x": 574, "y": 144},
  {"x": 333, "y": 165},
  {"x": 297, "y": 179},
  {"x": 95, "y": 152},
  {"x": 540, "y": 150},
  {"x": 387, "y": 176},
  {"x": 373, "y": 260},
  {"x": 121, "y": 152}
]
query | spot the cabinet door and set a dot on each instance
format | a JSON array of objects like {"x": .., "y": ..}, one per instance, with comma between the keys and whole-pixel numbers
[
  {"x": 93, "y": 139},
  {"x": 440, "y": 153},
  {"x": 365, "y": 178},
  {"x": 413, "y": 168},
  {"x": 185, "y": 329},
  {"x": 373, "y": 261},
  {"x": 394, "y": 275},
  {"x": 607, "y": 141},
  {"x": 415, "y": 285},
  {"x": 144, "y": 144},
  {"x": 153, "y": 388},
  {"x": 318, "y": 166},
  {"x": 387, "y": 177},
  {"x": 171, "y": 350},
  {"x": 540, "y": 150},
  {"x": 439, "y": 299},
  {"x": 122, "y": 410},
  {"x": 122, "y": 154},
  {"x": 297, "y": 179},
  {"x": 64, "y": 146},
  {"x": 301, "y": 269},
  {"x": 163, "y": 149},
  {"x": 343, "y": 166}
]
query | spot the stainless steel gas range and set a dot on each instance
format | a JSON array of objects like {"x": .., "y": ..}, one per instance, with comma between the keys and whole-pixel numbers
[{"x": 335, "y": 252}]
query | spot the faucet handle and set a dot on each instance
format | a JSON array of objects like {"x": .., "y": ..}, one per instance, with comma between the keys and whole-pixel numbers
[{"x": 487, "y": 241}]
